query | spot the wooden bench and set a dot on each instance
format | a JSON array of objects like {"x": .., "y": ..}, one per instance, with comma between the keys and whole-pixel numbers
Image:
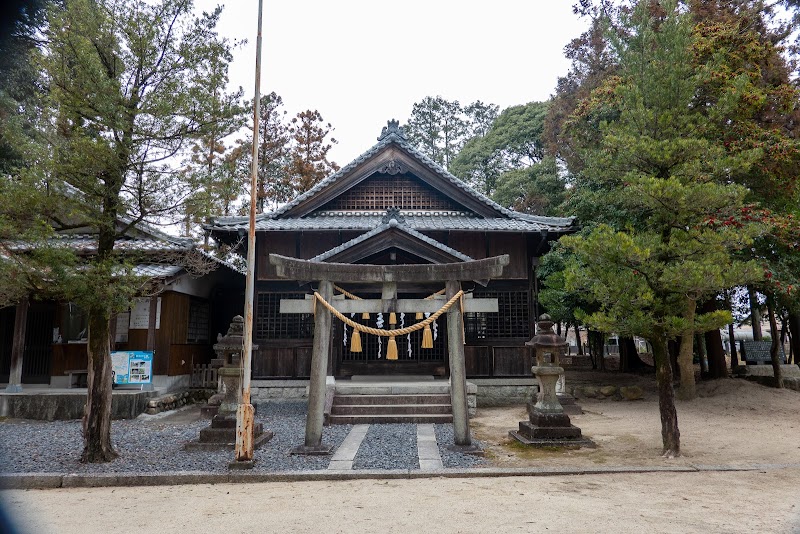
[{"x": 80, "y": 376}]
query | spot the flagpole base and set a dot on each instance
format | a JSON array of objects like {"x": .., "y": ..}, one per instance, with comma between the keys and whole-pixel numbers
[{"x": 241, "y": 464}]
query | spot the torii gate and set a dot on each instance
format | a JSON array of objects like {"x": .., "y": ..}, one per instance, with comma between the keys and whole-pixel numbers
[{"x": 326, "y": 274}]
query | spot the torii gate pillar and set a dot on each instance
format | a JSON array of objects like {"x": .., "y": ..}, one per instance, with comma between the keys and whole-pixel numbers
[
  {"x": 458, "y": 372},
  {"x": 319, "y": 368}
]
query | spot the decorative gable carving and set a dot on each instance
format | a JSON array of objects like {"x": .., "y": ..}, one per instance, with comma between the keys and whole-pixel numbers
[{"x": 392, "y": 167}]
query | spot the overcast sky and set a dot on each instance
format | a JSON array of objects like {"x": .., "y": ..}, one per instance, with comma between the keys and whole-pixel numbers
[{"x": 361, "y": 63}]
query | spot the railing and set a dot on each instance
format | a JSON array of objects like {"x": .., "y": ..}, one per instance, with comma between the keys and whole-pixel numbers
[{"x": 204, "y": 376}]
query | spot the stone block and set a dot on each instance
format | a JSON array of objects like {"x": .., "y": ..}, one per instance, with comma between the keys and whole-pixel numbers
[
  {"x": 787, "y": 370},
  {"x": 549, "y": 420},
  {"x": 590, "y": 392},
  {"x": 531, "y": 431},
  {"x": 631, "y": 392},
  {"x": 608, "y": 391}
]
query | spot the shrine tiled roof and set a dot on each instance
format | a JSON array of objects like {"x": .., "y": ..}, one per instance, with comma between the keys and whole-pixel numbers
[
  {"x": 383, "y": 228},
  {"x": 416, "y": 220},
  {"x": 505, "y": 220}
]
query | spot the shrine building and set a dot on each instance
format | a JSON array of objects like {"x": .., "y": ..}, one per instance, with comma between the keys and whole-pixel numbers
[{"x": 394, "y": 206}]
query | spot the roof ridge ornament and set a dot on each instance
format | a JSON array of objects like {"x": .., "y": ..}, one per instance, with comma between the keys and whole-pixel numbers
[
  {"x": 393, "y": 214},
  {"x": 392, "y": 127}
]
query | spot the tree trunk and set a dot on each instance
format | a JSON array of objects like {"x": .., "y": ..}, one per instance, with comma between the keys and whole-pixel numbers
[
  {"x": 717, "y": 367},
  {"x": 784, "y": 335},
  {"x": 686, "y": 390},
  {"x": 755, "y": 314},
  {"x": 673, "y": 349},
  {"x": 701, "y": 355},
  {"x": 97, "y": 419},
  {"x": 579, "y": 340},
  {"x": 670, "y": 435},
  {"x": 601, "y": 350},
  {"x": 794, "y": 340},
  {"x": 591, "y": 338},
  {"x": 732, "y": 337},
  {"x": 629, "y": 359},
  {"x": 774, "y": 353}
]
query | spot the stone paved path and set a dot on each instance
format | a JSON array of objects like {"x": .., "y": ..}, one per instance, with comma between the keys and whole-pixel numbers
[{"x": 427, "y": 448}]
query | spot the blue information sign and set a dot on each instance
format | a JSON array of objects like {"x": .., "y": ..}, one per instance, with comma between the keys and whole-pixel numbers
[{"x": 132, "y": 367}]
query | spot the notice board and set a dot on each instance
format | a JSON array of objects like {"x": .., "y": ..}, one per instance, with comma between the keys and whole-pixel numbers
[{"x": 132, "y": 367}]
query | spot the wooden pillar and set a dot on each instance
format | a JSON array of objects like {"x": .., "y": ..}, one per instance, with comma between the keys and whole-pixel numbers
[
  {"x": 18, "y": 346},
  {"x": 151, "y": 326},
  {"x": 458, "y": 375},
  {"x": 319, "y": 366}
]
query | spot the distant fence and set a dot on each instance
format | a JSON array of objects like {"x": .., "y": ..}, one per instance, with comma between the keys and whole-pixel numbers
[{"x": 204, "y": 376}]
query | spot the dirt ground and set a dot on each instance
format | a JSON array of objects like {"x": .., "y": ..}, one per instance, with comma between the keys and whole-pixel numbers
[{"x": 733, "y": 422}]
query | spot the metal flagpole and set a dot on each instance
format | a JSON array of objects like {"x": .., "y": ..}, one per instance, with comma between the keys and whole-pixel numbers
[{"x": 245, "y": 412}]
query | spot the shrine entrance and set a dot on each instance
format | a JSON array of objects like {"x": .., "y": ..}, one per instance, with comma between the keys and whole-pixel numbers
[
  {"x": 325, "y": 307},
  {"x": 412, "y": 359}
]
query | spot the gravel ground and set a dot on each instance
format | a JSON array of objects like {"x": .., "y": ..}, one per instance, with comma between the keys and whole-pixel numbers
[
  {"x": 155, "y": 444},
  {"x": 444, "y": 438},
  {"x": 391, "y": 446}
]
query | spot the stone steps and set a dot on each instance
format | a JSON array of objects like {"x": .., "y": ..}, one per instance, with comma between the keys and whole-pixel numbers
[
  {"x": 375, "y": 402},
  {"x": 394, "y": 418},
  {"x": 352, "y": 400}
]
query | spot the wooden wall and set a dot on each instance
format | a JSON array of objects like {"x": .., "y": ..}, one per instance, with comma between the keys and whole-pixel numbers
[
  {"x": 173, "y": 356},
  {"x": 497, "y": 361},
  {"x": 283, "y": 243},
  {"x": 283, "y": 359}
]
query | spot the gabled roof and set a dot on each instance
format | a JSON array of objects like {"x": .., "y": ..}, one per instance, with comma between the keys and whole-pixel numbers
[
  {"x": 483, "y": 213},
  {"x": 392, "y": 233}
]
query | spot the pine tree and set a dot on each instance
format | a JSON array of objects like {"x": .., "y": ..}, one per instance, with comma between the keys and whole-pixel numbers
[
  {"x": 274, "y": 185},
  {"x": 309, "y": 163},
  {"x": 644, "y": 155}
]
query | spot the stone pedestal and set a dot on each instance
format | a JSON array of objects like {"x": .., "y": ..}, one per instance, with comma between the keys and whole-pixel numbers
[{"x": 548, "y": 425}]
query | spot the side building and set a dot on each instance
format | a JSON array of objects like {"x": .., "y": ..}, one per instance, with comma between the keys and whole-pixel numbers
[{"x": 190, "y": 298}]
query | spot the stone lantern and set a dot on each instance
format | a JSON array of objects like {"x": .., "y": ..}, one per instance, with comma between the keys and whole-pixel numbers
[
  {"x": 229, "y": 359},
  {"x": 548, "y": 348},
  {"x": 221, "y": 434},
  {"x": 548, "y": 425}
]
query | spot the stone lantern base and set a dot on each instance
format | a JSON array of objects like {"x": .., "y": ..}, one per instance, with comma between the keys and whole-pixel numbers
[{"x": 548, "y": 425}]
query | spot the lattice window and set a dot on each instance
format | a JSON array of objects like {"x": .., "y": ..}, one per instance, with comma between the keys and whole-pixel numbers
[
  {"x": 511, "y": 321},
  {"x": 383, "y": 193},
  {"x": 198, "y": 322},
  {"x": 271, "y": 324}
]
